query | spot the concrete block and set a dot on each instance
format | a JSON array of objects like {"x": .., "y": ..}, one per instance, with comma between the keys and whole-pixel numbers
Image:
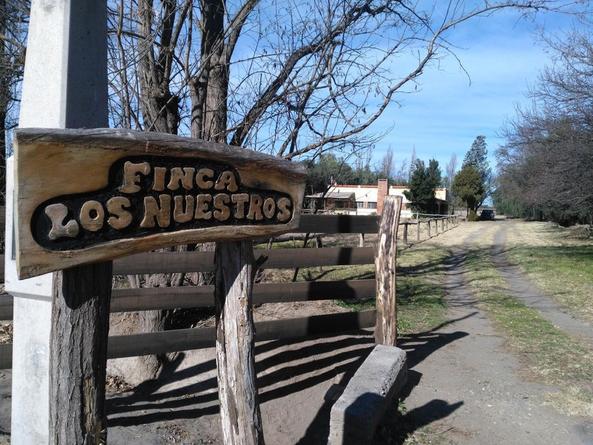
[{"x": 356, "y": 414}]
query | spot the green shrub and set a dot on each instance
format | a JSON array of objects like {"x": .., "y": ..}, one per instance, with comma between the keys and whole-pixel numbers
[{"x": 472, "y": 216}]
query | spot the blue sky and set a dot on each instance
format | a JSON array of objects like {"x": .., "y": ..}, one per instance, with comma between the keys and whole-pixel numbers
[{"x": 503, "y": 56}]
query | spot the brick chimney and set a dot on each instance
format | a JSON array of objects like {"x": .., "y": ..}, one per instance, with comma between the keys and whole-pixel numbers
[{"x": 382, "y": 192}]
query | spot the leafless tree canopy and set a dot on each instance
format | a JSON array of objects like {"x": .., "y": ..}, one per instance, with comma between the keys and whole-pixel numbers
[
  {"x": 545, "y": 168},
  {"x": 290, "y": 78}
]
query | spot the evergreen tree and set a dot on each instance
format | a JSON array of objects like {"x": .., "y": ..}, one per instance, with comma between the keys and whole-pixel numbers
[
  {"x": 328, "y": 168},
  {"x": 477, "y": 157},
  {"x": 468, "y": 186},
  {"x": 422, "y": 184}
]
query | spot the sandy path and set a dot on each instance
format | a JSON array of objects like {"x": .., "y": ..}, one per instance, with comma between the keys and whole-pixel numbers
[
  {"x": 470, "y": 388},
  {"x": 523, "y": 289}
]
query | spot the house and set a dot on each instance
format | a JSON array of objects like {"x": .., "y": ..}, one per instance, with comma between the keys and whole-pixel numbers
[
  {"x": 367, "y": 199},
  {"x": 333, "y": 201}
]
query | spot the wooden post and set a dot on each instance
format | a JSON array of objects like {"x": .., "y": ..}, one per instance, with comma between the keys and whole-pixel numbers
[
  {"x": 81, "y": 295},
  {"x": 428, "y": 222},
  {"x": 405, "y": 233},
  {"x": 417, "y": 230},
  {"x": 235, "y": 356},
  {"x": 385, "y": 264},
  {"x": 80, "y": 324},
  {"x": 361, "y": 240}
]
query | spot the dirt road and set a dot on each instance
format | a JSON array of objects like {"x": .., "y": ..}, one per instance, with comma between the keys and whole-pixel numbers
[{"x": 465, "y": 383}]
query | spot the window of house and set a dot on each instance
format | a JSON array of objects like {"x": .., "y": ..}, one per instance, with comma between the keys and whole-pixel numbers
[
  {"x": 372, "y": 205},
  {"x": 359, "y": 205}
]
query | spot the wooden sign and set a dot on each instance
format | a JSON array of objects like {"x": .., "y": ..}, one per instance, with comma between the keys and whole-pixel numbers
[{"x": 91, "y": 195}]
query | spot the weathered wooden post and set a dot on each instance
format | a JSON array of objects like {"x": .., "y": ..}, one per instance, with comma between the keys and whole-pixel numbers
[
  {"x": 405, "y": 233},
  {"x": 235, "y": 357},
  {"x": 428, "y": 222},
  {"x": 65, "y": 85},
  {"x": 417, "y": 229},
  {"x": 143, "y": 191},
  {"x": 361, "y": 240},
  {"x": 385, "y": 270}
]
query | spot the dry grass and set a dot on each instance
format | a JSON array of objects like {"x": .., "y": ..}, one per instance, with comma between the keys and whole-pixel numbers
[{"x": 559, "y": 262}]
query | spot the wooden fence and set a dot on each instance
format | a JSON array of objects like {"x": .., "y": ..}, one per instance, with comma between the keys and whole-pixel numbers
[{"x": 127, "y": 300}]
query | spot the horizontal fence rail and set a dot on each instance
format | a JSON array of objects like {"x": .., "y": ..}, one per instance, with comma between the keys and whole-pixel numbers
[
  {"x": 338, "y": 224},
  {"x": 142, "y": 299},
  {"x": 169, "y": 262},
  {"x": 187, "y": 339}
]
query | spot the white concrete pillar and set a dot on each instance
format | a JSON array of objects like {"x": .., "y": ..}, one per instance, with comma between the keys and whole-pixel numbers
[{"x": 61, "y": 89}]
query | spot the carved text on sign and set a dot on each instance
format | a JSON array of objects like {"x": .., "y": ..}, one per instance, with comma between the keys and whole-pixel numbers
[{"x": 150, "y": 195}]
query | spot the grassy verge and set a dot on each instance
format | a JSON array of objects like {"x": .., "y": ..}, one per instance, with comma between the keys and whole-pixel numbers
[
  {"x": 563, "y": 272},
  {"x": 549, "y": 353},
  {"x": 419, "y": 287},
  {"x": 420, "y": 294}
]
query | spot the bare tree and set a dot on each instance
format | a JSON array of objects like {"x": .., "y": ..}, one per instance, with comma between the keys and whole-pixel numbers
[
  {"x": 386, "y": 166},
  {"x": 289, "y": 78},
  {"x": 450, "y": 170},
  {"x": 545, "y": 167}
]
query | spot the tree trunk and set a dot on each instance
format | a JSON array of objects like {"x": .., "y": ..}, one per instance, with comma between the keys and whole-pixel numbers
[
  {"x": 80, "y": 326},
  {"x": 160, "y": 112},
  {"x": 239, "y": 408}
]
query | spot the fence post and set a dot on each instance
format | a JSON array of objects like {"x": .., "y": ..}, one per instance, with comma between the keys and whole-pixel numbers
[
  {"x": 405, "y": 233},
  {"x": 361, "y": 240},
  {"x": 428, "y": 222},
  {"x": 385, "y": 263},
  {"x": 443, "y": 224},
  {"x": 235, "y": 356}
]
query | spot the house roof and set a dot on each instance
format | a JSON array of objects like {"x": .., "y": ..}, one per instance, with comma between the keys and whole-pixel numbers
[{"x": 332, "y": 195}]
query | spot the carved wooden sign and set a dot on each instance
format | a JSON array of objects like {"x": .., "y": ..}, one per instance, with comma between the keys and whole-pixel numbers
[{"x": 90, "y": 195}]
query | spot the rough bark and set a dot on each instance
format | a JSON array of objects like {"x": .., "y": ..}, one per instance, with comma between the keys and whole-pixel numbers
[
  {"x": 160, "y": 108},
  {"x": 210, "y": 86},
  {"x": 235, "y": 356},
  {"x": 80, "y": 326},
  {"x": 385, "y": 264}
]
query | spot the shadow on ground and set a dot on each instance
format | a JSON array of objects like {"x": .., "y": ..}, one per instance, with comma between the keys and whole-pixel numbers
[{"x": 284, "y": 367}]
